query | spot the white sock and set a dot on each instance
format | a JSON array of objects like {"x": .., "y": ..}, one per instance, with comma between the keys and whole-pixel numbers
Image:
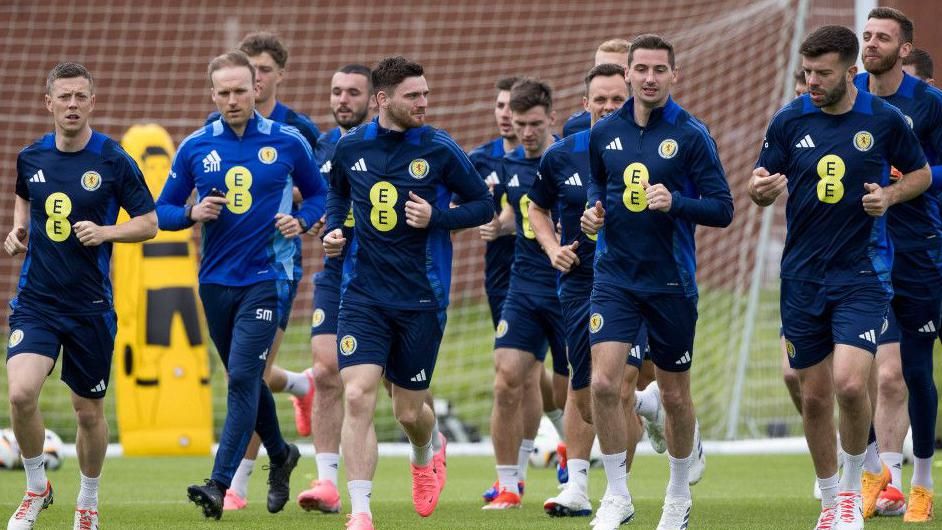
[
  {"x": 436, "y": 440},
  {"x": 871, "y": 463},
  {"x": 853, "y": 467},
  {"x": 645, "y": 404},
  {"x": 523, "y": 457},
  {"x": 421, "y": 454},
  {"x": 360, "y": 491},
  {"x": 327, "y": 465},
  {"x": 579, "y": 474},
  {"x": 35, "y": 474},
  {"x": 828, "y": 487},
  {"x": 88, "y": 493},
  {"x": 508, "y": 477},
  {"x": 616, "y": 471},
  {"x": 679, "y": 484},
  {"x": 555, "y": 416},
  {"x": 240, "y": 481},
  {"x": 298, "y": 384},
  {"x": 922, "y": 473},
  {"x": 894, "y": 461}
]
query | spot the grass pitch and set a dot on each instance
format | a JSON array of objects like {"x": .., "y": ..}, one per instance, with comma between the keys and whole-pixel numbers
[{"x": 737, "y": 492}]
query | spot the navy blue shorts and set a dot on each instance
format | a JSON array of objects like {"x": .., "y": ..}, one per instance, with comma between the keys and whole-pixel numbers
[
  {"x": 405, "y": 343},
  {"x": 815, "y": 317},
  {"x": 243, "y": 320},
  {"x": 529, "y": 322},
  {"x": 86, "y": 342},
  {"x": 576, "y": 312},
  {"x": 496, "y": 303},
  {"x": 286, "y": 295},
  {"x": 618, "y": 315},
  {"x": 326, "y": 309},
  {"x": 890, "y": 331}
]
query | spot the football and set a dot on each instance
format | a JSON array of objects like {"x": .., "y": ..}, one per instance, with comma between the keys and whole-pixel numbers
[{"x": 9, "y": 450}]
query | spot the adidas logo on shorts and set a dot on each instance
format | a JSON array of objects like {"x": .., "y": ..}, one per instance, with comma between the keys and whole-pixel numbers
[
  {"x": 928, "y": 328},
  {"x": 100, "y": 387},
  {"x": 419, "y": 377},
  {"x": 684, "y": 359},
  {"x": 869, "y": 336}
]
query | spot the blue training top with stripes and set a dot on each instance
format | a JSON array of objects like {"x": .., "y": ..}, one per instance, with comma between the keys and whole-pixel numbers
[{"x": 256, "y": 172}]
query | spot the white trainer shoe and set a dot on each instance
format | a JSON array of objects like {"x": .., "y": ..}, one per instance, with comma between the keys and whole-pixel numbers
[
  {"x": 569, "y": 503},
  {"x": 655, "y": 427},
  {"x": 698, "y": 467},
  {"x": 85, "y": 520},
  {"x": 827, "y": 518},
  {"x": 25, "y": 515},
  {"x": 849, "y": 511},
  {"x": 613, "y": 512},
  {"x": 676, "y": 513}
]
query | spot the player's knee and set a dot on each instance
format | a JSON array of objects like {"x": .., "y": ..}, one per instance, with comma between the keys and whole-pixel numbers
[
  {"x": 357, "y": 399},
  {"x": 89, "y": 416},
  {"x": 675, "y": 399},
  {"x": 850, "y": 389},
  {"x": 815, "y": 404},
  {"x": 506, "y": 393},
  {"x": 241, "y": 379},
  {"x": 605, "y": 388},
  {"x": 891, "y": 385},
  {"x": 408, "y": 414},
  {"x": 327, "y": 379},
  {"x": 23, "y": 400}
]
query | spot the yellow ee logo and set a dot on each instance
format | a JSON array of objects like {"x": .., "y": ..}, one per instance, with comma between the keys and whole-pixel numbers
[
  {"x": 789, "y": 349},
  {"x": 596, "y": 322},
  {"x": 831, "y": 170},
  {"x": 383, "y": 197},
  {"x": 16, "y": 337},
  {"x": 348, "y": 345},
  {"x": 636, "y": 177},
  {"x": 863, "y": 141},
  {"x": 239, "y": 184},
  {"x": 58, "y": 207},
  {"x": 668, "y": 148},
  {"x": 525, "y": 218},
  {"x": 267, "y": 155},
  {"x": 91, "y": 180},
  {"x": 317, "y": 318},
  {"x": 418, "y": 168},
  {"x": 349, "y": 222},
  {"x": 502, "y": 328}
]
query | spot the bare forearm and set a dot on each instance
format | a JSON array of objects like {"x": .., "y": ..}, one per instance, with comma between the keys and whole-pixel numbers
[
  {"x": 140, "y": 228},
  {"x": 542, "y": 226},
  {"x": 910, "y": 186},
  {"x": 507, "y": 222},
  {"x": 21, "y": 213}
]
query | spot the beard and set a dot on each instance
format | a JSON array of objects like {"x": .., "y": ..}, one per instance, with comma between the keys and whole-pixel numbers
[
  {"x": 834, "y": 95},
  {"x": 402, "y": 117},
  {"x": 883, "y": 65},
  {"x": 355, "y": 118}
]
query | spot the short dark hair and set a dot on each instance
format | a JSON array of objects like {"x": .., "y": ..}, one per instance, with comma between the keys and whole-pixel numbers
[
  {"x": 831, "y": 39},
  {"x": 230, "y": 59},
  {"x": 506, "y": 83},
  {"x": 888, "y": 13},
  {"x": 799, "y": 76},
  {"x": 603, "y": 70},
  {"x": 650, "y": 41},
  {"x": 528, "y": 93},
  {"x": 394, "y": 70},
  {"x": 356, "y": 68},
  {"x": 264, "y": 42},
  {"x": 922, "y": 61},
  {"x": 68, "y": 71}
]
